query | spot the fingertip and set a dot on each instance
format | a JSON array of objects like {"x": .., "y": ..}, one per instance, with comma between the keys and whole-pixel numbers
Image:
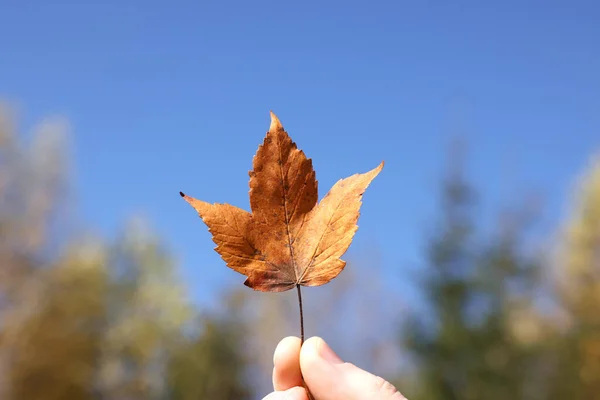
[
  {"x": 286, "y": 347},
  {"x": 316, "y": 350},
  {"x": 309, "y": 354},
  {"x": 330, "y": 378},
  {"x": 310, "y": 348},
  {"x": 286, "y": 364}
]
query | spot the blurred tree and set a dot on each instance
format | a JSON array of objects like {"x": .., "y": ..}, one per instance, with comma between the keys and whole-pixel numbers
[
  {"x": 32, "y": 192},
  {"x": 84, "y": 319},
  {"x": 211, "y": 364},
  {"x": 578, "y": 375},
  {"x": 441, "y": 343},
  {"x": 55, "y": 339},
  {"x": 146, "y": 311},
  {"x": 469, "y": 344}
]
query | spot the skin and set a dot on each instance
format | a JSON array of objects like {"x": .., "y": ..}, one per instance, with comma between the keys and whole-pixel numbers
[{"x": 327, "y": 376}]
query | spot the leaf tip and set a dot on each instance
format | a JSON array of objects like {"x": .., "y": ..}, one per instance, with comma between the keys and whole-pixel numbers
[
  {"x": 275, "y": 123},
  {"x": 187, "y": 198},
  {"x": 378, "y": 169}
]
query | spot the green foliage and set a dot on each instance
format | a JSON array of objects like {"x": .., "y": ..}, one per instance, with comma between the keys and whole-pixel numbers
[
  {"x": 479, "y": 337},
  {"x": 210, "y": 366},
  {"x": 146, "y": 311}
]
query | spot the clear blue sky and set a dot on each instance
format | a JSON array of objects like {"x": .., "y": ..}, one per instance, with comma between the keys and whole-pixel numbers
[{"x": 169, "y": 96}]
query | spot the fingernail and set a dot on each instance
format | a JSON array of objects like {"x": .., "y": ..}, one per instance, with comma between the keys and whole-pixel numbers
[{"x": 329, "y": 355}]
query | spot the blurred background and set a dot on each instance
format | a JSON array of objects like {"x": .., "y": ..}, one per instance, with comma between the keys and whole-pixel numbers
[{"x": 475, "y": 273}]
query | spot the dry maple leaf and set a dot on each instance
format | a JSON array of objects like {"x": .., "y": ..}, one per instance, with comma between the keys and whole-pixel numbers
[{"x": 288, "y": 240}]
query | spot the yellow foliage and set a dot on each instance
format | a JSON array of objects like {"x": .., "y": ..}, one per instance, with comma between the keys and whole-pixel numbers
[{"x": 580, "y": 280}]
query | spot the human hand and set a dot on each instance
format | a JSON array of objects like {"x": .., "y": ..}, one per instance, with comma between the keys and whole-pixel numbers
[{"x": 325, "y": 374}]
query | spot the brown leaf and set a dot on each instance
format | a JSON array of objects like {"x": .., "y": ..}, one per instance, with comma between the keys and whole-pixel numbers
[{"x": 289, "y": 239}]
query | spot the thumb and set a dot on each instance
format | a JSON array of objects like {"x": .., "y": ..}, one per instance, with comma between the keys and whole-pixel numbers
[{"x": 330, "y": 378}]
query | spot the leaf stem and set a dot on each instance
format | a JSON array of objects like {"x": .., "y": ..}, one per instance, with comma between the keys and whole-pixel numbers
[
  {"x": 310, "y": 396},
  {"x": 301, "y": 315}
]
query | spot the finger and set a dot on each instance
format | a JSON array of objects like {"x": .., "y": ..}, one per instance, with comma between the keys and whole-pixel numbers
[
  {"x": 330, "y": 378},
  {"x": 295, "y": 393},
  {"x": 286, "y": 364}
]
